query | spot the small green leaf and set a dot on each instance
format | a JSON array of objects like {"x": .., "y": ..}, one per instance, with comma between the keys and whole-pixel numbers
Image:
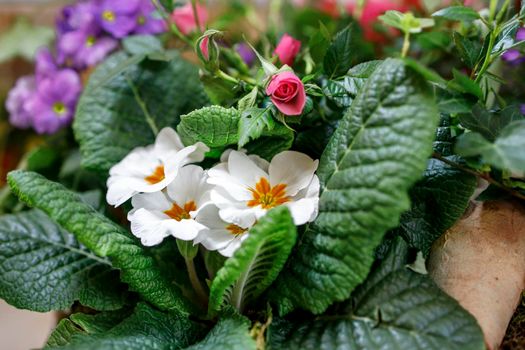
[
  {"x": 253, "y": 123},
  {"x": 469, "y": 50},
  {"x": 100, "y": 235},
  {"x": 377, "y": 153},
  {"x": 216, "y": 126},
  {"x": 249, "y": 100},
  {"x": 406, "y": 22},
  {"x": 340, "y": 55},
  {"x": 464, "y": 84},
  {"x": 256, "y": 264},
  {"x": 44, "y": 268},
  {"x": 271, "y": 142},
  {"x": 142, "y": 44},
  {"x": 490, "y": 123},
  {"x": 457, "y": 13},
  {"x": 319, "y": 43},
  {"x": 230, "y": 333}
]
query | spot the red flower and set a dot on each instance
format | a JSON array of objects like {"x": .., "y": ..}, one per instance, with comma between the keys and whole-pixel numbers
[
  {"x": 287, "y": 93},
  {"x": 287, "y": 49}
]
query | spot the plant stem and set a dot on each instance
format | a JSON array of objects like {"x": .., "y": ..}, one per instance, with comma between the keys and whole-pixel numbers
[
  {"x": 166, "y": 16},
  {"x": 149, "y": 119},
  {"x": 483, "y": 176},
  {"x": 195, "y": 282},
  {"x": 406, "y": 44},
  {"x": 196, "y": 15}
]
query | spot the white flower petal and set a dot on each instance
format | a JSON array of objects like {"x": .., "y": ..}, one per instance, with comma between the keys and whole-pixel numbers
[
  {"x": 156, "y": 201},
  {"x": 294, "y": 169},
  {"x": 233, "y": 246},
  {"x": 241, "y": 167},
  {"x": 190, "y": 185},
  {"x": 184, "y": 229},
  {"x": 303, "y": 210},
  {"x": 173, "y": 161},
  {"x": 219, "y": 175},
  {"x": 147, "y": 226},
  {"x": 260, "y": 162},
  {"x": 167, "y": 141}
]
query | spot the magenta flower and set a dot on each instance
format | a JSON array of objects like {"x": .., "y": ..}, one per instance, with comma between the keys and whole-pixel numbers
[
  {"x": 119, "y": 17},
  {"x": 287, "y": 49},
  {"x": 81, "y": 49},
  {"x": 45, "y": 64},
  {"x": 287, "y": 93},
  {"x": 146, "y": 21},
  {"x": 53, "y": 105},
  {"x": 185, "y": 20},
  {"x": 17, "y": 102}
]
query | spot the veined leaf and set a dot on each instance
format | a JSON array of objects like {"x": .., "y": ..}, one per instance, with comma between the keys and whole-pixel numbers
[
  {"x": 490, "y": 123},
  {"x": 254, "y": 121},
  {"x": 115, "y": 116},
  {"x": 256, "y": 264},
  {"x": 44, "y": 268},
  {"x": 100, "y": 235},
  {"x": 340, "y": 55},
  {"x": 395, "y": 308},
  {"x": 377, "y": 153},
  {"x": 230, "y": 333},
  {"x": 215, "y": 126},
  {"x": 457, "y": 13},
  {"x": 271, "y": 142}
]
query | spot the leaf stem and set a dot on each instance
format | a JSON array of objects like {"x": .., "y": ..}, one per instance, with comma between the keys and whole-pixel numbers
[
  {"x": 484, "y": 176},
  {"x": 196, "y": 16},
  {"x": 406, "y": 45},
  {"x": 143, "y": 107},
  {"x": 195, "y": 282}
]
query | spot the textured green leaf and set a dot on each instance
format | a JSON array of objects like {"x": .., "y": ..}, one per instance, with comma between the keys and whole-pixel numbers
[
  {"x": 443, "y": 141},
  {"x": 464, "y": 84},
  {"x": 343, "y": 91},
  {"x": 230, "y": 333},
  {"x": 490, "y": 123},
  {"x": 505, "y": 153},
  {"x": 396, "y": 308},
  {"x": 100, "y": 235},
  {"x": 253, "y": 123},
  {"x": 340, "y": 55},
  {"x": 469, "y": 50},
  {"x": 256, "y": 264},
  {"x": 438, "y": 201},
  {"x": 115, "y": 116},
  {"x": 271, "y": 142},
  {"x": 215, "y": 126},
  {"x": 377, "y": 153},
  {"x": 43, "y": 267},
  {"x": 457, "y": 13},
  {"x": 146, "y": 328}
]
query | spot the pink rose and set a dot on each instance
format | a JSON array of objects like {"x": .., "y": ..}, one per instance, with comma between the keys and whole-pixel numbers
[
  {"x": 287, "y": 93},
  {"x": 287, "y": 49},
  {"x": 185, "y": 21},
  {"x": 204, "y": 47}
]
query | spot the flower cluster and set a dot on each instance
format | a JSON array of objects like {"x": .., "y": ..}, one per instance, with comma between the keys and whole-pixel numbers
[
  {"x": 216, "y": 208},
  {"x": 86, "y": 33}
]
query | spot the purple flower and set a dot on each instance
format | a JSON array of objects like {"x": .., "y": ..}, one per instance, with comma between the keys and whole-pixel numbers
[
  {"x": 146, "y": 21},
  {"x": 522, "y": 109},
  {"x": 246, "y": 53},
  {"x": 54, "y": 104},
  {"x": 520, "y": 35},
  {"x": 45, "y": 64},
  {"x": 79, "y": 16},
  {"x": 118, "y": 17},
  {"x": 17, "y": 102},
  {"x": 82, "y": 49}
]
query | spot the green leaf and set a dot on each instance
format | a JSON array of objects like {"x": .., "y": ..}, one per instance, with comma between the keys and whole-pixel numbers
[
  {"x": 490, "y": 123},
  {"x": 319, "y": 43},
  {"x": 230, "y": 333},
  {"x": 505, "y": 153},
  {"x": 343, "y": 91},
  {"x": 443, "y": 142},
  {"x": 142, "y": 44},
  {"x": 24, "y": 39},
  {"x": 396, "y": 308},
  {"x": 439, "y": 200},
  {"x": 464, "y": 84},
  {"x": 216, "y": 126},
  {"x": 271, "y": 142},
  {"x": 469, "y": 50},
  {"x": 253, "y": 123},
  {"x": 220, "y": 91},
  {"x": 340, "y": 55},
  {"x": 146, "y": 328},
  {"x": 256, "y": 264},
  {"x": 377, "y": 153},
  {"x": 457, "y": 13},
  {"x": 44, "y": 268},
  {"x": 115, "y": 116},
  {"x": 100, "y": 235},
  {"x": 406, "y": 22}
]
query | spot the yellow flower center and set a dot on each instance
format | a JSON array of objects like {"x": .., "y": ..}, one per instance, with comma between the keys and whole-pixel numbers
[
  {"x": 141, "y": 20},
  {"x": 267, "y": 196},
  {"x": 59, "y": 108},
  {"x": 157, "y": 175},
  {"x": 236, "y": 230},
  {"x": 108, "y": 16},
  {"x": 181, "y": 213},
  {"x": 90, "y": 41}
]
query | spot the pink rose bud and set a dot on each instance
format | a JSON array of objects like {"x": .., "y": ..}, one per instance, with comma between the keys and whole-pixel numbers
[
  {"x": 185, "y": 20},
  {"x": 287, "y": 49},
  {"x": 287, "y": 93},
  {"x": 204, "y": 47}
]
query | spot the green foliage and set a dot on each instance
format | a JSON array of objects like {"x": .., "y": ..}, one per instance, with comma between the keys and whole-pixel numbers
[
  {"x": 24, "y": 39},
  {"x": 340, "y": 55},
  {"x": 254, "y": 121},
  {"x": 457, "y": 13},
  {"x": 490, "y": 123},
  {"x": 278, "y": 139},
  {"x": 100, "y": 235},
  {"x": 216, "y": 126},
  {"x": 142, "y": 44},
  {"x": 395, "y": 308},
  {"x": 377, "y": 153},
  {"x": 127, "y": 101},
  {"x": 464, "y": 84},
  {"x": 44, "y": 268},
  {"x": 146, "y": 328},
  {"x": 504, "y": 153},
  {"x": 469, "y": 50},
  {"x": 230, "y": 333},
  {"x": 256, "y": 264},
  {"x": 406, "y": 22}
]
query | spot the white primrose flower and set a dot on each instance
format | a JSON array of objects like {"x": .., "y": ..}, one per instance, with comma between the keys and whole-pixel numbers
[
  {"x": 246, "y": 187},
  {"x": 220, "y": 235},
  {"x": 150, "y": 169},
  {"x": 158, "y": 215}
]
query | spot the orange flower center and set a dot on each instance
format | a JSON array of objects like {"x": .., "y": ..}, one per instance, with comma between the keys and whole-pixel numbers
[
  {"x": 157, "y": 176},
  {"x": 178, "y": 213},
  {"x": 267, "y": 196},
  {"x": 236, "y": 230}
]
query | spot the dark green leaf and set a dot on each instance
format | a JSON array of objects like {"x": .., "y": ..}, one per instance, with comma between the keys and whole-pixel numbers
[
  {"x": 340, "y": 54},
  {"x": 43, "y": 267},
  {"x": 378, "y": 152},
  {"x": 220, "y": 91},
  {"x": 457, "y": 13},
  {"x": 469, "y": 50},
  {"x": 256, "y": 264},
  {"x": 215, "y": 126},
  {"x": 319, "y": 43},
  {"x": 464, "y": 84},
  {"x": 100, "y": 235},
  {"x": 443, "y": 142},
  {"x": 253, "y": 123},
  {"x": 489, "y": 123},
  {"x": 271, "y": 142},
  {"x": 127, "y": 111}
]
